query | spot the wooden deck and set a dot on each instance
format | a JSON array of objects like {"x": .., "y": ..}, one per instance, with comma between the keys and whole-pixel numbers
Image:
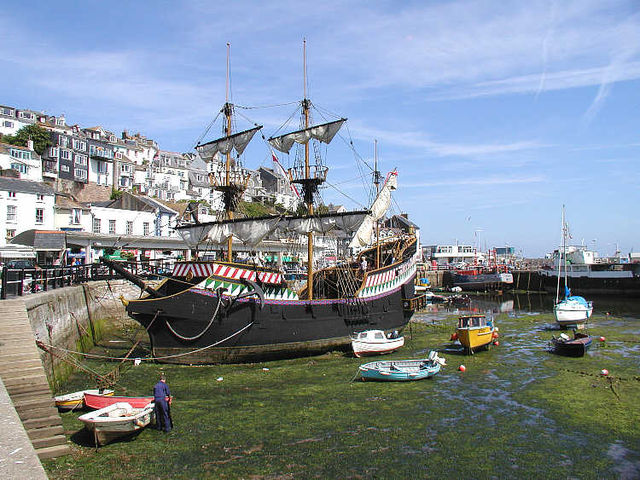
[{"x": 24, "y": 377}]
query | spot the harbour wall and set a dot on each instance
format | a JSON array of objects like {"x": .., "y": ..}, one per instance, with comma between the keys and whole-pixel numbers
[{"x": 74, "y": 318}]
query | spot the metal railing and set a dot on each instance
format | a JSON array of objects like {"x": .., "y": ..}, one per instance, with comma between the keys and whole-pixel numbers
[{"x": 24, "y": 281}]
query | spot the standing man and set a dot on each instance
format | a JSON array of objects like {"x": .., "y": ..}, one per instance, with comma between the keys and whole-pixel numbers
[{"x": 162, "y": 400}]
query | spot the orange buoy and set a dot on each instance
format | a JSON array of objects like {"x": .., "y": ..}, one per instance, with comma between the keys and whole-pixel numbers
[
  {"x": 496, "y": 343},
  {"x": 462, "y": 368},
  {"x": 604, "y": 372}
]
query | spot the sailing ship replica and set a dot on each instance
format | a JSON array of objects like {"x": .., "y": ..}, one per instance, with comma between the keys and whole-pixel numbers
[{"x": 225, "y": 311}]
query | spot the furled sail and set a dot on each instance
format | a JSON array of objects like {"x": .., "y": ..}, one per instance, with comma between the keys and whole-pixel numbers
[
  {"x": 224, "y": 145},
  {"x": 379, "y": 208},
  {"x": 250, "y": 231},
  {"x": 347, "y": 222},
  {"x": 324, "y": 133}
]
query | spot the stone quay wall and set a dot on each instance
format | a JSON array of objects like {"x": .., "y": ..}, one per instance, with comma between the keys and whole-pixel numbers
[{"x": 74, "y": 318}]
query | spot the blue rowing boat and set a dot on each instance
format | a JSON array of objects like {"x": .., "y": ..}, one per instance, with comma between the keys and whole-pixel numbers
[{"x": 402, "y": 370}]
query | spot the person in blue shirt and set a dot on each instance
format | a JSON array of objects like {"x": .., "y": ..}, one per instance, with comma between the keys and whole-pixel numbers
[{"x": 162, "y": 400}]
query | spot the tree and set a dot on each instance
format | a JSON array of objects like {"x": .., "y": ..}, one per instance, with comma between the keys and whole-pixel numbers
[{"x": 40, "y": 136}]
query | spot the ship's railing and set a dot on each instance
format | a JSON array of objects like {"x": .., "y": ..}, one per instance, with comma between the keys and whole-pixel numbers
[{"x": 23, "y": 281}]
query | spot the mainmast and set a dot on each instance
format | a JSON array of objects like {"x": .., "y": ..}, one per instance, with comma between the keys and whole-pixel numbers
[
  {"x": 376, "y": 182},
  {"x": 307, "y": 172}
]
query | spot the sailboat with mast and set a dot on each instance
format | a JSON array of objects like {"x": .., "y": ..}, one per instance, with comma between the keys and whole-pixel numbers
[
  {"x": 225, "y": 311},
  {"x": 572, "y": 309}
]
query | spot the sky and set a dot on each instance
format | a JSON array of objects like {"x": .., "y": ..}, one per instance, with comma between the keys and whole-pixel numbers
[{"x": 495, "y": 113}]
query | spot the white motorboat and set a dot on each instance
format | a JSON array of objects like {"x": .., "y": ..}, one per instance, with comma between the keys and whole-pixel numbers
[
  {"x": 572, "y": 310},
  {"x": 375, "y": 342},
  {"x": 117, "y": 420}
]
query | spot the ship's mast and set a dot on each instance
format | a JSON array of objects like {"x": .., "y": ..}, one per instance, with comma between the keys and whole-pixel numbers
[
  {"x": 376, "y": 181},
  {"x": 307, "y": 172},
  {"x": 228, "y": 112}
]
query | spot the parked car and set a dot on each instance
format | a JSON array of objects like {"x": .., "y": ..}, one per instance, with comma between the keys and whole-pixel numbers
[{"x": 23, "y": 263}]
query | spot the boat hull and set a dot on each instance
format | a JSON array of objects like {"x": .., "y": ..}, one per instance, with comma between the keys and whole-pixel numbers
[
  {"x": 473, "y": 338},
  {"x": 363, "y": 348},
  {"x": 399, "y": 370},
  {"x": 572, "y": 348},
  {"x": 249, "y": 330},
  {"x": 106, "y": 425},
  {"x": 571, "y": 314},
  {"x": 98, "y": 402},
  {"x": 75, "y": 400}
]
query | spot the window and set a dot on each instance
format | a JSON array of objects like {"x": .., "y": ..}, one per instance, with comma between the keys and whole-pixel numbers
[
  {"x": 40, "y": 197},
  {"x": 80, "y": 174},
  {"x": 81, "y": 159},
  {"x": 102, "y": 167},
  {"x": 53, "y": 152},
  {"x": 27, "y": 115},
  {"x": 63, "y": 141},
  {"x": 64, "y": 168},
  {"x": 11, "y": 213},
  {"x": 118, "y": 154},
  {"x": 12, "y": 194},
  {"x": 96, "y": 225},
  {"x": 145, "y": 228},
  {"x": 20, "y": 154},
  {"x": 76, "y": 216},
  {"x": 39, "y": 215},
  {"x": 112, "y": 226},
  {"x": 92, "y": 149},
  {"x": 20, "y": 167},
  {"x": 11, "y": 232},
  {"x": 60, "y": 121},
  {"x": 79, "y": 145},
  {"x": 129, "y": 228},
  {"x": 7, "y": 111},
  {"x": 64, "y": 154},
  {"x": 125, "y": 168},
  {"x": 7, "y": 124}
]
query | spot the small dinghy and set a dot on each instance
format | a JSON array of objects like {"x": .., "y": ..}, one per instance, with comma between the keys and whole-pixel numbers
[
  {"x": 97, "y": 401},
  {"x": 74, "y": 400},
  {"x": 576, "y": 347},
  {"x": 375, "y": 342},
  {"x": 402, "y": 370},
  {"x": 117, "y": 420}
]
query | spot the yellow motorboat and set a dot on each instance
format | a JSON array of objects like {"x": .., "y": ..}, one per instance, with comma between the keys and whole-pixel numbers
[
  {"x": 475, "y": 332},
  {"x": 74, "y": 400}
]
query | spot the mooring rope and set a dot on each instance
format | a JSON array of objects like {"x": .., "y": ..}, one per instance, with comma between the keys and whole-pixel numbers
[
  {"x": 213, "y": 317},
  {"x": 106, "y": 357}
]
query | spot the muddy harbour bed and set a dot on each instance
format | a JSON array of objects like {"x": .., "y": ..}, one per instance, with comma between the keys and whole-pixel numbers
[{"x": 517, "y": 411}]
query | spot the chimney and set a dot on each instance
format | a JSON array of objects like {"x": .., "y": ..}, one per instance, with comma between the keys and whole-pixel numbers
[
  {"x": 30, "y": 144},
  {"x": 405, "y": 215}
]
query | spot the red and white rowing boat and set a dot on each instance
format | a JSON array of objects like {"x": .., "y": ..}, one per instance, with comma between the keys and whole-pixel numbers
[{"x": 97, "y": 401}]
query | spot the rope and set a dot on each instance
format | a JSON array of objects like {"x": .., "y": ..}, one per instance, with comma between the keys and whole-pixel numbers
[
  {"x": 106, "y": 357},
  {"x": 213, "y": 317}
]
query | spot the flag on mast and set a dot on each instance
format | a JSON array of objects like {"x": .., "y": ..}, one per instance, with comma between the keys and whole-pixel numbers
[{"x": 284, "y": 173}]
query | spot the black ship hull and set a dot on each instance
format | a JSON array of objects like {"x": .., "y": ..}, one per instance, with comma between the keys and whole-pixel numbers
[
  {"x": 480, "y": 281},
  {"x": 587, "y": 286},
  {"x": 197, "y": 326}
]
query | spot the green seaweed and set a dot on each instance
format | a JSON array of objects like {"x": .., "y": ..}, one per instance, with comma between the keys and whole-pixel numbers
[{"x": 517, "y": 412}]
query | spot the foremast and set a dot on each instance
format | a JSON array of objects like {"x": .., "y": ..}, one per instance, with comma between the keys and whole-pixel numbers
[{"x": 233, "y": 182}]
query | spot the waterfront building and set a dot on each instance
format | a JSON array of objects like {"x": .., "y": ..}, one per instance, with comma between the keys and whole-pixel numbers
[
  {"x": 23, "y": 160},
  {"x": 70, "y": 214},
  {"x": 101, "y": 154},
  {"x": 454, "y": 254},
  {"x": 24, "y": 204},
  {"x": 278, "y": 189}
]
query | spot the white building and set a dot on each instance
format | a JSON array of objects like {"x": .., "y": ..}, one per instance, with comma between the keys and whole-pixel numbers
[
  {"x": 71, "y": 214},
  {"x": 24, "y": 205},
  {"x": 24, "y": 160}
]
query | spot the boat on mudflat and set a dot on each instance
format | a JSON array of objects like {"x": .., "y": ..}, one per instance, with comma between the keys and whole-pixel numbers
[
  {"x": 402, "y": 370},
  {"x": 116, "y": 421},
  {"x": 572, "y": 309},
  {"x": 571, "y": 347},
  {"x": 475, "y": 332},
  {"x": 97, "y": 401},
  {"x": 225, "y": 311},
  {"x": 375, "y": 342},
  {"x": 71, "y": 401}
]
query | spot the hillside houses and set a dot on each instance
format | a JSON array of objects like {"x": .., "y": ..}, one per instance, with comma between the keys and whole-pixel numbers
[{"x": 70, "y": 187}]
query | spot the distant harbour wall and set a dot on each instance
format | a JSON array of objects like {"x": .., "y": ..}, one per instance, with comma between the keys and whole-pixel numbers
[{"x": 74, "y": 318}]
